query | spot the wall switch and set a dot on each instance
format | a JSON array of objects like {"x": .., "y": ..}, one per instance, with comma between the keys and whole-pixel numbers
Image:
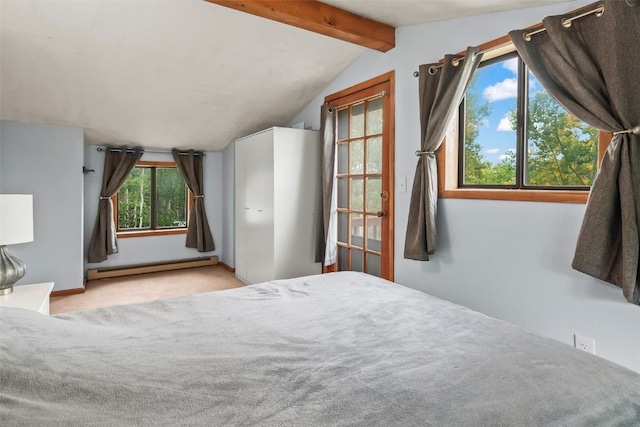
[
  {"x": 584, "y": 344},
  {"x": 402, "y": 184}
]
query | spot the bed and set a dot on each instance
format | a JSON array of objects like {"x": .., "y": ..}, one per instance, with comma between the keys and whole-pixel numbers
[{"x": 337, "y": 349}]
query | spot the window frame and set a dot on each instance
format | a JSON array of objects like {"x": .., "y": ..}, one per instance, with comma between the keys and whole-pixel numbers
[
  {"x": 157, "y": 231},
  {"x": 449, "y": 167}
]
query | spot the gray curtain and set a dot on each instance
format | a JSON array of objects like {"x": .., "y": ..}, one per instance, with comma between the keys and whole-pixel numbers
[
  {"x": 191, "y": 165},
  {"x": 440, "y": 92},
  {"x": 118, "y": 163},
  {"x": 593, "y": 69},
  {"x": 328, "y": 150}
]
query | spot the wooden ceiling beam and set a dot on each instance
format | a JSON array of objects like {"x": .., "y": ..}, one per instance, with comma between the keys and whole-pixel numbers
[{"x": 320, "y": 18}]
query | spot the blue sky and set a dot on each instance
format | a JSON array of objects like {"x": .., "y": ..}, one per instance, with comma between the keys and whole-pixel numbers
[{"x": 497, "y": 85}]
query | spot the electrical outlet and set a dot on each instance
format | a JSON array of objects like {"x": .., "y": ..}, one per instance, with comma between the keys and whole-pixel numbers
[{"x": 584, "y": 344}]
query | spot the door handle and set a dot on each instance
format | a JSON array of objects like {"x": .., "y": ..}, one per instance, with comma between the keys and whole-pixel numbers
[{"x": 381, "y": 214}]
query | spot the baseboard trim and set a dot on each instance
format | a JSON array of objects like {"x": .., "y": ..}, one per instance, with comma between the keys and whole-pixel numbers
[
  {"x": 66, "y": 292},
  {"x": 226, "y": 267},
  {"x": 129, "y": 270}
]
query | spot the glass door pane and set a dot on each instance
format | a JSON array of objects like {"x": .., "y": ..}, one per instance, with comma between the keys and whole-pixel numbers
[
  {"x": 357, "y": 260},
  {"x": 374, "y": 265},
  {"x": 357, "y": 121},
  {"x": 357, "y": 230},
  {"x": 374, "y": 233},
  {"x": 374, "y": 116},
  {"x": 343, "y": 258},
  {"x": 374, "y": 155},
  {"x": 374, "y": 191}
]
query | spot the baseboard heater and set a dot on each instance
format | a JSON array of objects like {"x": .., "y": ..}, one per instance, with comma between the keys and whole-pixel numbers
[{"x": 128, "y": 270}]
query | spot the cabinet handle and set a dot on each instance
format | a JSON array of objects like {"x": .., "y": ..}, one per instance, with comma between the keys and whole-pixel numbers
[
  {"x": 381, "y": 214},
  {"x": 246, "y": 209}
]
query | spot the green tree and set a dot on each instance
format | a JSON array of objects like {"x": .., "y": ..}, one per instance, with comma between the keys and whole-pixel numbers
[
  {"x": 562, "y": 150},
  {"x": 504, "y": 173},
  {"x": 477, "y": 170},
  {"x": 134, "y": 199},
  {"x": 171, "y": 198}
]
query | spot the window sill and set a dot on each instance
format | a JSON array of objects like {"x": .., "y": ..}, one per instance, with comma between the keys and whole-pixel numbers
[
  {"x": 554, "y": 196},
  {"x": 149, "y": 233}
]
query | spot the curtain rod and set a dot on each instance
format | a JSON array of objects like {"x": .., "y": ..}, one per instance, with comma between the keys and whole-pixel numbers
[
  {"x": 376, "y": 95},
  {"x": 566, "y": 23},
  {"x": 182, "y": 153}
]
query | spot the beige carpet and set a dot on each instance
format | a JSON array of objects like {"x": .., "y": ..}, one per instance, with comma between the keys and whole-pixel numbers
[{"x": 146, "y": 287}]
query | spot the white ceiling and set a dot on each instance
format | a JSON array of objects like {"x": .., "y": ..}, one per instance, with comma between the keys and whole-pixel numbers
[
  {"x": 177, "y": 73},
  {"x": 400, "y": 13}
]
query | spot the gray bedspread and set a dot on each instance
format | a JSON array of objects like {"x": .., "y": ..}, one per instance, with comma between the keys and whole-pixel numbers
[{"x": 336, "y": 349}]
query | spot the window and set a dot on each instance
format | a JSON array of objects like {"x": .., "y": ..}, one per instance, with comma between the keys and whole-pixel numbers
[
  {"x": 515, "y": 135},
  {"x": 153, "y": 200},
  {"x": 513, "y": 141}
]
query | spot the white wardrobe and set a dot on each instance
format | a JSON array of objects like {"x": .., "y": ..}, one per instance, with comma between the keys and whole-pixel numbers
[{"x": 276, "y": 203}]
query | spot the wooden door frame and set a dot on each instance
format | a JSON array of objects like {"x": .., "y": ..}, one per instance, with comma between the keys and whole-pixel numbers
[{"x": 351, "y": 95}]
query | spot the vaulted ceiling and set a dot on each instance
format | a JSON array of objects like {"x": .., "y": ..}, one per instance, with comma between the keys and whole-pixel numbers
[{"x": 178, "y": 73}]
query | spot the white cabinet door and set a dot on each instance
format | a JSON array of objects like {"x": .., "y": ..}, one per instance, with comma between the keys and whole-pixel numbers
[
  {"x": 297, "y": 181},
  {"x": 259, "y": 199}
]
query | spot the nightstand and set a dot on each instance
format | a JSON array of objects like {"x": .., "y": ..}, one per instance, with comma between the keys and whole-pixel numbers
[{"x": 30, "y": 297}]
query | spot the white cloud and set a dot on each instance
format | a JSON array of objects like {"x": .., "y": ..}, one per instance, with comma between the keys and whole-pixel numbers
[
  {"x": 507, "y": 153},
  {"x": 493, "y": 151},
  {"x": 511, "y": 65},
  {"x": 508, "y": 88},
  {"x": 505, "y": 124}
]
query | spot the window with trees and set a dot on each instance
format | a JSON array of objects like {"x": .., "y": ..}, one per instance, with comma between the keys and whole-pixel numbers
[
  {"x": 514, "y": 135},
  {"x": 513, "y": 141},
  {"x": 153, "y": 199}
]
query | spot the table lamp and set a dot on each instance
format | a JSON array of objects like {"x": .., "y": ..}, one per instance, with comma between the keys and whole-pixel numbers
[{"x": 16, "y": 226}]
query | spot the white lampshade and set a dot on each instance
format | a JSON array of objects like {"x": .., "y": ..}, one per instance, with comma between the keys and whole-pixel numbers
[{"x": 16, "y": 218}]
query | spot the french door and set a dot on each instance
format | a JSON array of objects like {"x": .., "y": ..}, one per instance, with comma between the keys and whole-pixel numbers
[{"x": 364, "y": 176}]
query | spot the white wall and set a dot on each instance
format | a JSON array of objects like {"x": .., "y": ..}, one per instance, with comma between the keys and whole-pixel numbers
[
  {"x": 46, "y": 161},
  {"x": 140, "y": 250},
  {"x": 228, "y": 210},
  {"x": 510, "y": 260}
]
